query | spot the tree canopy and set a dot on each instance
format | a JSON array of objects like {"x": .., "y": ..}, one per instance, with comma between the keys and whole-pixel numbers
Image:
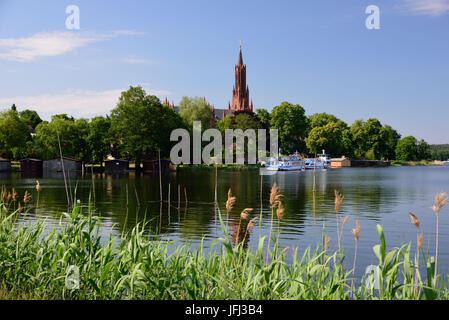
[
  {"x": 14, "y": 134},
  {"x": 292, "y": 123},
  {"x": 195, "y": 109},
  {"x": 141, "y": 125}
]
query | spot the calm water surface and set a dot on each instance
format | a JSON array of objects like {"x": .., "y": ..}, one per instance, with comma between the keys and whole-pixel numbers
[{"x": 371, "y": 195}]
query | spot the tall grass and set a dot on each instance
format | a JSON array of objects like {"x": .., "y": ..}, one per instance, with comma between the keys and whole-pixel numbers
[{"x": 34, "y": 263}]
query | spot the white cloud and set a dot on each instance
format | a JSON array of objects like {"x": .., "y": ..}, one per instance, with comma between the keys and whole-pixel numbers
[
  {"x": 427, "y": 7},
  {"x": 47, "y": 44},
  {"x": 128, "y": 33},
  {"x": 75, "y": 102},
  {"x": 136, "y": 61}
]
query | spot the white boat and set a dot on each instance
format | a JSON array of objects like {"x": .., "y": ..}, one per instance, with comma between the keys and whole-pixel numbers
[
  {"x": 322, "y": 161},
  {"x": 291, "y": 163}
]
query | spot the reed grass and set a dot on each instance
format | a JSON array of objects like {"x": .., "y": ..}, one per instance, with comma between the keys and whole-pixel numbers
[{"x": 34, "y": 260}]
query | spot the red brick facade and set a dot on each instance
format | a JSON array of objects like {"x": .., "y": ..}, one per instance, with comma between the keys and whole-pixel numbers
[{"x": 240, "y": 91}]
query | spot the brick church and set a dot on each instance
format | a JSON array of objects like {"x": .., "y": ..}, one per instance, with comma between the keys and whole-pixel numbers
[{"x": 241, "y": 102}]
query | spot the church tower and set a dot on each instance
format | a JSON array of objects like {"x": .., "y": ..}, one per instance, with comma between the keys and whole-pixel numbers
[{"x": 240, "y": 91}]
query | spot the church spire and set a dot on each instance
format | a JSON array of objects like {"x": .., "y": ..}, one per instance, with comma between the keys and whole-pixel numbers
[
  {"x": 240, "y": 91},
  {"x": 240, "y": 55}
]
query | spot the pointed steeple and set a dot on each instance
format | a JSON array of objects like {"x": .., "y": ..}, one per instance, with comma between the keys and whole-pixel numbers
[{"x": 240, "y": 55}]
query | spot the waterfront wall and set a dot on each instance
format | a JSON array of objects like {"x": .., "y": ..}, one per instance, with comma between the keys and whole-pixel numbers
[{"x": 369, "y": 163}]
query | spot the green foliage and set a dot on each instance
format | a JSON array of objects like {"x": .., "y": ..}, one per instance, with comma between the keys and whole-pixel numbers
[
  {"x": 373, "y": 141},
  {"x": 292, "y": 124},
  {"x": 321, "y": 120},
  {"x": 407, "y": 149},
  {"x": 263, "y": 115},
  {"x": 423, "y": 150},
  {"x": 329, "y": 133},
  {"x": 14, "y": 135},
  {"x": 242, "y": 121},
  {"x": 141, "y": 125},
  {"x": 225, "y": 123},
  {"x": 439, "y": 152},
  {"x": 195, "y": 109},
  {"x": 30, "y": 117},
  {"x": 98, "y": 139},
  {"x": 72, "y": 133}
]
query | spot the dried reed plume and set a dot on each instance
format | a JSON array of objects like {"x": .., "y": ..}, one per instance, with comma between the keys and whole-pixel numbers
[
  {"x": 419, "y": 244},
  {"x": 284, "y": 251},
  {"x": 280, "y": 211},
  {"x": 414, "y": 220},
  {"x": 251, "y": 224},
  {"x": 38, "y": 186},
  {"x": 274, "y": 196},
  {"x": 418, "y": 249},
  {"x": 419, "y": 237},
  {"x": 14, "y": 195},
  {"x": 338, "y": 202},
  {"x": 356, "y": 233},
  {"x": 246, "y": 213},
  {"x": 4, "y": 194},
  {"x": 230, "y": 202},
  {"x": 280, "y": 215},
  {"x": 327, "y": 240},
  {"x": 26, "y": 197},
  {"x": 439, "y": 202}
]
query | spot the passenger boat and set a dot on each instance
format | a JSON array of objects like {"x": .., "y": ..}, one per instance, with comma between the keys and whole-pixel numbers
[
  {"x": 290, "y": 163},
  {"x": 323, "y": 161}
]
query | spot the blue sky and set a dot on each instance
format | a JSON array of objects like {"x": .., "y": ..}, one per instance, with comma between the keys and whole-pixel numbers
[{"x": 315, "y": 53}]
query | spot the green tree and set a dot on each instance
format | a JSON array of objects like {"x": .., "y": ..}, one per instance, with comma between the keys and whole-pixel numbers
[
  {"x": 263, "y": 115},
  {"x": 292, "y": 123},
  {"x": 98, "y": 139},
  {"x": 141, "y": 125},
  {"x": 225, "y": 123},
  {"x": 332, "y": 137},
  {"x": 246, "y": 121},
  {"x": 72, "y": 135},
  {"x": 195, "y": 109},
  {"x": 14, "y": 135},
  {"x": 423, "y": 150},
  {"x": 391, "y": 138},
  {"x": 372, "y": 141},
  {"x": 82, "y": 150},
  {"x": 30, "y": 117},
  {"x": 321, "y": 119},
  {"x": 406, "y": 149},
  {"x": 336, "y": 139}
]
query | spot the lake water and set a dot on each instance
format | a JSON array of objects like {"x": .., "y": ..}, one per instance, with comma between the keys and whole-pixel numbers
[{"x": 371, "y": 195}]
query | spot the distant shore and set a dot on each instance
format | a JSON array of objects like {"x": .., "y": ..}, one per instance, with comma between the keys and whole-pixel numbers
[{"x": 399, "y": 163}]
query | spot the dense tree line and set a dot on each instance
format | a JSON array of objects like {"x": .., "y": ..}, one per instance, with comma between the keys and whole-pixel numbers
[
  {"x": 139, "y": 127},
  {"x": 439, "y": 152}
]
